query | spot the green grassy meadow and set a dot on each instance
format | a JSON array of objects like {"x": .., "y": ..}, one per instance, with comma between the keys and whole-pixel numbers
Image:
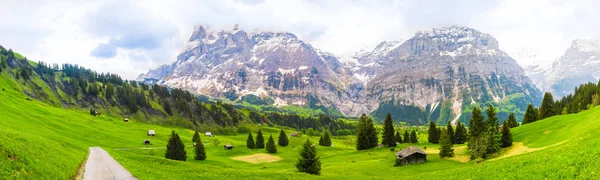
[{"x": 42, "y": 141}]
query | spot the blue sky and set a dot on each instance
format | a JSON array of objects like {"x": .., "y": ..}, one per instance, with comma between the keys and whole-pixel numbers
[{"x": 131, "y": 36}]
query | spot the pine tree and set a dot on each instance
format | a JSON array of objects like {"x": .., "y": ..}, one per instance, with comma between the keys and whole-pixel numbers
[
  {"x": 283, "y": 139},
  {"x": 446, "y": 144},
  {"x": 388, "y": 132},
  {"x": 512, "y": 121},
  {"x": 398, "y": 137},
  {"x": 250, "y": 141},
  {"x": 506, "y": 135},
  {"x": 372, "y": 134},
  {"x": 175, "y": 148},
  {"x": 271, "y": 148},
  {"x": 196, "y": 137},
  {"x": 530, "y": 115},
  {"x": 492, "y": 130},
  {"x": 433, "y": 136},
  {"x": 478, "y": 136},
  {"x": 199, "y": 148},
  {"x": 362, "y": 139},
  {"x": 325, "y": 139},
  {"x": 413, "y": 137},
  {"x": 309, "y": 162},
  {"x": 546, "y": 110},
  {"x": 450, "y": 132},
  {"x": 460, "y": 136},
  {"x": 260, "y": 140},
  {"x": 406, "y": 137}
]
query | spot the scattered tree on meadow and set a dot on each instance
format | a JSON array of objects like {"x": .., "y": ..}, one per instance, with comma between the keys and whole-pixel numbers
[
  {"x": 493, "y": 130},
  {"x": 250, "y": 141},
  {"x": 478, "y": 140},
  {"x": 175, "y": 148},
  {"x": 260, "y": 140},
  {"x": 413, "y": 137},
  {"x": 397, "y": 137},
  {"x": 433, "y": 133},
  {"x": 388, "y": 132},
  {"x": 283, "y": 139},
  {"x": 406, "y": 137},
  {"x": 200, "y": 153},
  {"x": 460, "y": 136},
  {"x": 309, "y": 162},
  {"x": 271, "y": 148},
  {"x": 506, "y": 135},
  {"x": 450, "y": 132},
  {"x": 446, "y": 144},
  {"x": 196, "y": 137},
  {"x": 325, "y": 140},
  {"x": 367, "y": 134},
  {"x": 530, "y": 115},
  {"x": 547, "y": 108},
  {"x": 512, "y": 121}
]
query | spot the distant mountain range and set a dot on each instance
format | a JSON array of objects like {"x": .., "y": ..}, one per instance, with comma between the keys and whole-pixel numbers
[
  {"x": 580, "y": 64},
  {"x": 437, "y": 75}
]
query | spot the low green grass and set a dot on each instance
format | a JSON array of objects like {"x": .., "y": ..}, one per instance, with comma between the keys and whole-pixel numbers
[{"x": 42, "y": 141}]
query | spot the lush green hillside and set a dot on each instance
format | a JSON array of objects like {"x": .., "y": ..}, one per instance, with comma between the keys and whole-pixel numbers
[{"x": 41, "y": 139}]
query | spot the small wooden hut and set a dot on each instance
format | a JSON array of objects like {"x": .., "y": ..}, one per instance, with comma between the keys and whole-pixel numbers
[
  {"x": 151, "y": 133},
  {"x": 410, "y": 155},
  {"x": 294, "y": 134},
  {"x": 228, "y": 147}
]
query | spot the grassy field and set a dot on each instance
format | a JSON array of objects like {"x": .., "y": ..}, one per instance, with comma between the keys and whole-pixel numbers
[{"x": 42, "y": 141}]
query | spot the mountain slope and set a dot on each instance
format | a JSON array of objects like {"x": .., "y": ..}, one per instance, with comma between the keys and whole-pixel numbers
[
  {"x": 578, "y": 65},
  {"x": 271, "y": 65},
  {"x": 440, "y": 74},
  {"x": 436, "y": 75}
]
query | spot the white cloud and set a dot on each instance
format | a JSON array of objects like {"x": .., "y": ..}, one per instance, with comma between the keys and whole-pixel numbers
[{"x": 137, "y": 35}]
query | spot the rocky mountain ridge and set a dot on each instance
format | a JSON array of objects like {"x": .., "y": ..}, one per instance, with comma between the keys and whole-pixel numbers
[
  {"x": 578, "y": 65},
  {"x": 436, "y": 75}
]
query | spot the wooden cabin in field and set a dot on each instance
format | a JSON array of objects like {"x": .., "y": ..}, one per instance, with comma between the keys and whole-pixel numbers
[
  {"x": 228, "y": 147},
  {"x": 294, "y": 134},
  {"x": 410, "y": 155},
  {"x": 126, "y": 119},
  {"x": 209, "y": 134},
  {"x": 151, "y": 133}
]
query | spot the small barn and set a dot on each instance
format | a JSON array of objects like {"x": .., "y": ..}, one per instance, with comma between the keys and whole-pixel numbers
[
  {"x": 228, "y": 147},
  {"x": 151, "y": 133},
  {"x": 126, "y": 119},
  {"x": 294, "y": 134},
  {"x": 209, "y": 134},
  {"x": 410, "y": 155}
]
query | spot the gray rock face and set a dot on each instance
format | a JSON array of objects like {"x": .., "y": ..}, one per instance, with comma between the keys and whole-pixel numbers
[
  {"x": 579, "y": 64},
  {"x": 277, "y": 65},
  {"x": 445, "y": 72},
  {"x": 435, "y": 75}
]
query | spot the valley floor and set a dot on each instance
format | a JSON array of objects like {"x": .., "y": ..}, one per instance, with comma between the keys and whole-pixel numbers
[{"x": 39, "y": 141}]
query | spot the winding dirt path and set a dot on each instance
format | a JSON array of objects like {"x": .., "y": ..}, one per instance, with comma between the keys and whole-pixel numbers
[{"x": 100, "y": 165}]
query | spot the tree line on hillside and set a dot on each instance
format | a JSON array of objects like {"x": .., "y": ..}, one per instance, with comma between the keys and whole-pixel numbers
[
  {"x": 367, "y": 134},
  {"x": 321, "y": 123},
  {"x": 583, "y": 98},
  {"x": 106, "y": 91}
]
